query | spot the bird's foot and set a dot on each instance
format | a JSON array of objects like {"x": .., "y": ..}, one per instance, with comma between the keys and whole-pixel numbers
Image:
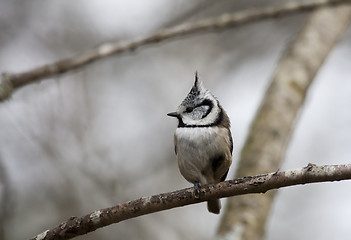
[{"x": 197, "y": 189}]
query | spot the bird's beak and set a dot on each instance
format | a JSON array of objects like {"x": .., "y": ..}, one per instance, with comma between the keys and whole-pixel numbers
[{"x": 172, "y": 114}]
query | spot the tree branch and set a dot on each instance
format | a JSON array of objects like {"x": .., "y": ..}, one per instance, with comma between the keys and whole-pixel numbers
[
  {"x": 269, "y": 135},
  {"x": 76, "y": 226},
  {"x": 13, "y": 81}
]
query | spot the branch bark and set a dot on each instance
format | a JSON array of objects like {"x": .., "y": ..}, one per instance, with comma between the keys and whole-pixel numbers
[
  {"x": 76, "y": 226},
  {"x": 12, "y": 81},
  {"x": 264, "y": 150}
]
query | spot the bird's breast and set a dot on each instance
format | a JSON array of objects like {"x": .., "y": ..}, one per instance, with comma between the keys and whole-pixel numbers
[{"x": 196, "y": 148}]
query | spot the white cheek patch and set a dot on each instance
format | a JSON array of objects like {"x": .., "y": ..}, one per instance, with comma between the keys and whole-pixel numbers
[
  {"x": 201, "y": 111},
  {"x": 189, "y": 118},
  {"x": 198, "y": 112}
]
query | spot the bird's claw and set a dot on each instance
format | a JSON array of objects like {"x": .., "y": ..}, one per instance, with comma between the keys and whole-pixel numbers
[{"x": 197, "y": 189}]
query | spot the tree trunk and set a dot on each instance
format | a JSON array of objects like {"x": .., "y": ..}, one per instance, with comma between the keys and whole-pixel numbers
[{"x": 245, "y": 216}]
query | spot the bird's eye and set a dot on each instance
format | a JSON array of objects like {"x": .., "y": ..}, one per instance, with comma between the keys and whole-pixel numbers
[{"x": 189, "y": 109}]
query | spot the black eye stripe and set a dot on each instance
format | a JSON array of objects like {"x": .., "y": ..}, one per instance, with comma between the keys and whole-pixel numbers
[
  {"x": 206, "y": 102},
  {"x": 203, "y": 103},
  {"x": 189, "y": 109},
  {"x": 208, "y": 111},
  {"x": 216, "y": 122}
]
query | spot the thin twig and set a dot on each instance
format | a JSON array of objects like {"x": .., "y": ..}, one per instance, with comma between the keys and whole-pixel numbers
[
  {"x": 13, "y": 81},
  {"x": 76, "y": 226}
]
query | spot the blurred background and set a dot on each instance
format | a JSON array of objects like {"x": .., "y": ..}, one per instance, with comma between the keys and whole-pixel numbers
[{"x": 100, "y": 136}]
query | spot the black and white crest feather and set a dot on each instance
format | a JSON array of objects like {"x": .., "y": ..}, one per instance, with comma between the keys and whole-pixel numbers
[
  {"x": 194, "y": 92},
  {"x": 199, "y": 108}
]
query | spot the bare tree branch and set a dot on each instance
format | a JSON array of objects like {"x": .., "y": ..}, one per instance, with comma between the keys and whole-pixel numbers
[
  {"x": 76, "y": 226},
  {"x": 13, "y": 81},
  {"x": 273, "y": 125}
]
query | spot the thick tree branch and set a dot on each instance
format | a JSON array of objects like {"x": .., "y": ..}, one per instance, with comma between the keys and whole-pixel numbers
[
  {"x": 76, "y": 226},
  {"x": 269, "y": 135},
  {"x": 13, "y": 81}
]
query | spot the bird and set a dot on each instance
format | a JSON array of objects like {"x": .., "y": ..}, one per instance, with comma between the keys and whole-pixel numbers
[{"x": 203, "y": 140}]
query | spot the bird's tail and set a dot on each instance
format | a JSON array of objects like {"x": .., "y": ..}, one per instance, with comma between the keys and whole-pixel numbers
[{"x": 214, "y": 206}]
